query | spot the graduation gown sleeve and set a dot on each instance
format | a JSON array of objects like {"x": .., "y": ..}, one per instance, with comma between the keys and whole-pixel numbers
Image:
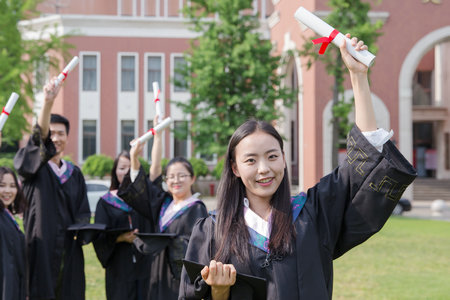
[
  {"x": 200, "y": 249},
  {"x": 356, "y": 199},
  {"x": 105, "y": 244},
  {"x": 37, "y": 152},
  {"x": 144, "y": 196}
]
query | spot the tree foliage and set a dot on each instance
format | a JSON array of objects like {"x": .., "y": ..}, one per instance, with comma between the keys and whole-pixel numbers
[
  {"x": 18, "y": 59},
  {"x": 199, "y": 166},
  {"x": 348, "y": 16},
  {"x": 230, "y": 73}
]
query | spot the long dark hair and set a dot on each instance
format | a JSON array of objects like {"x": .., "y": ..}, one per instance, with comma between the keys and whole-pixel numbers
[
  {"x": 231, "y": 233},
  {"x": 20, "y": 203},
  {"x": 114, "y": 181}
]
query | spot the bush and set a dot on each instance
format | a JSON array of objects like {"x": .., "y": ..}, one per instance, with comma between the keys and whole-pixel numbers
[
  {"x": 7, "y": 162},
  {"x": 200, "y": 167},
  {"x": 145, "y": 165},
  {"x": 68, "y": 158},
  {"x": 98, "y": 165},
  {"x": 217, "y": 171},
  {"x": 164, "y": 163}
]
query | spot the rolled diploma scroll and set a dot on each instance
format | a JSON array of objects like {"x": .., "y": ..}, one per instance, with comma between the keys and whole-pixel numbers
[
  {"x": 156, "y": 93},
  {"x": 149, "y": 134},
  {"x": 62, "y": 76},
  {"x": 7, "y": 109},
  {"x": 323, "y": 29}
]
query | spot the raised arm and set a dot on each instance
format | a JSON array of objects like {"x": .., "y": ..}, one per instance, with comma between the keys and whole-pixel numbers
[
  {"x": 156, "y": 168},
  {"x": 50, "y": 93},
  {"x": 364, "y": 113}
]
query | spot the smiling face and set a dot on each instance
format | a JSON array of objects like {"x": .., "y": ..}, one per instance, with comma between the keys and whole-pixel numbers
[
  {"x": 123, "y": 166},
  {"x": 58, "y": 135},
  {"x": 179, "y": 181},
  {"x": 8, "y": 189},
  {"x": 259, "y": 162}
]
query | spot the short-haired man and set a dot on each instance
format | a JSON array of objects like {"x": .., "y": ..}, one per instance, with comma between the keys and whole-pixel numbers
[{"x": 56, "y": 192}]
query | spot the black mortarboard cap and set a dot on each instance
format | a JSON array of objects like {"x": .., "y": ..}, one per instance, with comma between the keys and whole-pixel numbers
[
  {"x": 86, "y": 233},
  {"x": 258, "y": 284},
  {"x": 154, "y": 242}
]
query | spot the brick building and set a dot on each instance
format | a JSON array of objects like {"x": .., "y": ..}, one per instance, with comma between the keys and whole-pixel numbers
[{"x": 124, "y": 45}]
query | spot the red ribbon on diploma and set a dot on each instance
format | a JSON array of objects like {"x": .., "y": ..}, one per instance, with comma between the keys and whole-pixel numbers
[
  {"x": 157, "y": 96},
  {"x": 325, "y": 41},
  {"x": 152, "y": 131},
  {"x": 5, "y": 112},
  {"x": 65, "y": 75}
]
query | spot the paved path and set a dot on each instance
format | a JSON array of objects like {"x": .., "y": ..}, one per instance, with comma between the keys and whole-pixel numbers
[{"x": 420, "y": 209}]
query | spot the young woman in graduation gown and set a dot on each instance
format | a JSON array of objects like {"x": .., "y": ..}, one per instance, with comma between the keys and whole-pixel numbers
[
  {"x": 126, "y": 270},
  {"x": 12, "y": 240},
  {"x": 260, "y": 230},
  {"x": 175, "y": 211}
]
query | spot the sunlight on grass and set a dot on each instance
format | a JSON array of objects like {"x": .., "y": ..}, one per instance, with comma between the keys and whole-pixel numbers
[{"x": 407, "y": 259}]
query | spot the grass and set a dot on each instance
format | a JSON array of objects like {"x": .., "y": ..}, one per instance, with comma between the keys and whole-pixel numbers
[{"x": 407, "y": 259}]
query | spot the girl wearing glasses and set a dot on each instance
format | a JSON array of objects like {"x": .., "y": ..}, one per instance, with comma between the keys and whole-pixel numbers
[{"x": 174, "y": 211}]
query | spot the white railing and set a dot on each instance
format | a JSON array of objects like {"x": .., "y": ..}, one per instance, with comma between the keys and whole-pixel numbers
[{"x": 167, "y": 8}]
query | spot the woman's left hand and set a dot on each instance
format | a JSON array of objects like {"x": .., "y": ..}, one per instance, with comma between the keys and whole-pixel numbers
[{"x": 352, "y": 64}]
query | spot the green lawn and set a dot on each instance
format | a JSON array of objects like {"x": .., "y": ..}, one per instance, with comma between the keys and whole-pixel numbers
[{"x": 407, "y": 259}]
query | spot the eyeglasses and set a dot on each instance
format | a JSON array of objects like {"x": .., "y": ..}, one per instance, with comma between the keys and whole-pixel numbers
[{"x": 180, "y": 177}]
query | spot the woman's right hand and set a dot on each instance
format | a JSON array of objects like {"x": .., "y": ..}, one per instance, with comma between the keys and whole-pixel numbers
[
  {"x": 127, "y": 237},
  {"x": 220, "y": 277}
]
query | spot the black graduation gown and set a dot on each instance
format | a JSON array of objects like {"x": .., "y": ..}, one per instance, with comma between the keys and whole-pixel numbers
[
  {"x": 343, "y": 210},
  {"x": 55, "y": 266},
  {"x": 125, "y": 277},
  {"x": 12, "y": 259},
  {"x": 147, "y": 198}
]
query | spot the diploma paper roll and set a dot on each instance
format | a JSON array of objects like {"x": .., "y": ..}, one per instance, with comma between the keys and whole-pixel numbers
[
  {"x": 323, "y": 29},
  {"x": 156, "y": 93},
  {"x": 7, "y": 109},
  {"x": 166, "y": 122},
  {"x": 63, "y": 75}
]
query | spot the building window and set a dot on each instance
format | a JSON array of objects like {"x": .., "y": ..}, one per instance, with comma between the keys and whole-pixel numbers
[
  {"x": 149, "y": 142},
  {"x": 180, "y": 138},
  {"x": 89, "y": 138},
  {"x": 89, "y": 73},
  {"x": 127, "y": 130},
  {"x": 153, "y": 72},
  {"x": 179, "y": 62},
  {"x": 128, "y": 73}
]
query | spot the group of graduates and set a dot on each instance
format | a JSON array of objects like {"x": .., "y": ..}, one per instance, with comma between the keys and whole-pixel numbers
[{"x": 260, "y": 243}]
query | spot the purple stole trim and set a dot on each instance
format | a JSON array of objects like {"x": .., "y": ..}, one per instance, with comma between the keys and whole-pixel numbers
[
  {"x": 116, "y": 202},
  {"x": 297, "y": 203},
  {"x": 164, "y": 207},
  {"x": 260, "y": 241},
  {"x": 66, "y": 175},
  {"x": 11, "y": 217}
]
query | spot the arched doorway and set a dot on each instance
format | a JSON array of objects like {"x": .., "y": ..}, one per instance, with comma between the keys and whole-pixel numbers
[
  {"x": 292, "y": 125},
  {"x": 410, "y": 114}
]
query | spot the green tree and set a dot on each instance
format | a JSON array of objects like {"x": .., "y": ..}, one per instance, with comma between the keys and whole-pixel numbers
[
  {"x": 230, "y": 73},
  {"x": 348, "y": 16},
  {"x": 18, "y": 59}
]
